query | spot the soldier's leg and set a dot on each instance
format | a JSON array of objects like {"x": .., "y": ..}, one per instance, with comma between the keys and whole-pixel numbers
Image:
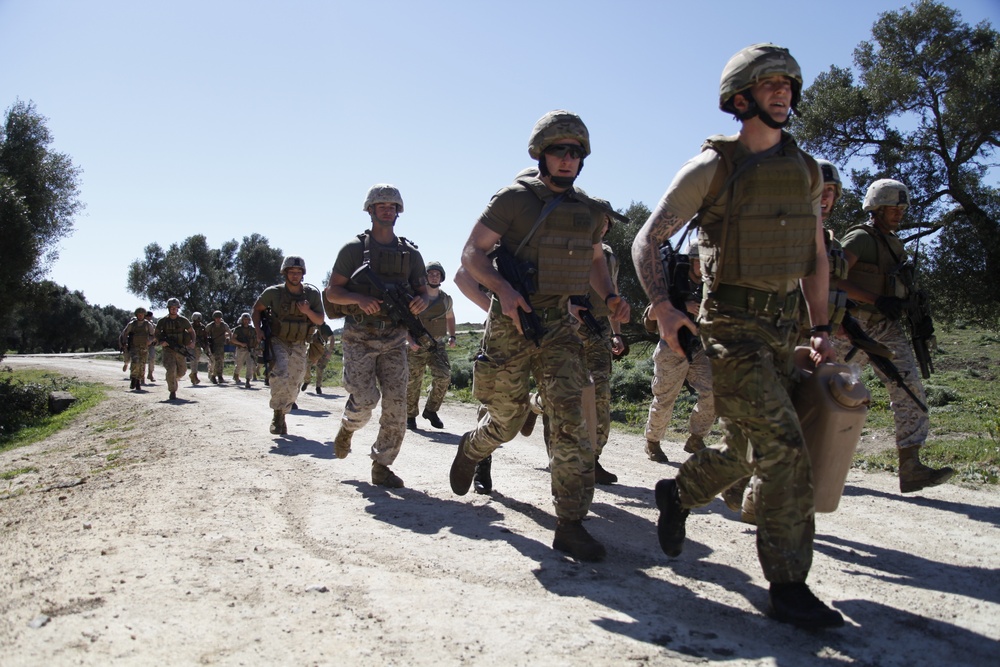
[
  {"x": 320, "y": 370},
  {"x": 194, "y": 364},
  {"x": 392, "y": 372},
  {"x": 151, "y": 363},
  {"x": 416, "y": 362},
  {"x": 669, "y": 370},
  {"x": 440, "y": 367},
  {"x": 138, "y": 366},
  {"x": 699, "y": 375},
  {"x": 359, "y": 377}
]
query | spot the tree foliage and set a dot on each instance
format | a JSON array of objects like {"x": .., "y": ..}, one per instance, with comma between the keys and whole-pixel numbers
[
  {"x": 205, "y": 279},
  {"x": 923, "y": 111},
  {"x": 39, "y": 196}
]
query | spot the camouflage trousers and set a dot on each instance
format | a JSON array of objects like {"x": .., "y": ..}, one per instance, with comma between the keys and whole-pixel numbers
[
  {"x": 501, "y": 383},
  {"x": 375, "y": 368},
  {"x": 440, "y": 378},
  {"x": 138, "y": 358},
  {"x": 288, "y": 362},
  {"x": 669, "y": 372},
  {"x": 752, "y": 370},
  {"x": 320, "y": 367},
  {"x": 245, "y": 359},
  {"x": 195, "y": 362},
  {"x": 597, "y": 360},
  {"x": 175, "y": 365},
  {"x": 912, "y": 423},
  {"x": 216, "y": 362},
  {"x": 151, "y": 360}
]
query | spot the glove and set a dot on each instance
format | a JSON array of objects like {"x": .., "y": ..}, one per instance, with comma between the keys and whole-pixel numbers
[{"x": 890, "y": 306}]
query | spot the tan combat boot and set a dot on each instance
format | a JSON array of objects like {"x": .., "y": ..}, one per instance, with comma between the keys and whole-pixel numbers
[
  {"x": 342, "y": 443},
  {"x": 694, "y": 444},
  {"x": 383, "y": 476},
  {"x": 655, "y": 453},
  {"x": 278, "y": 423},
  {"x": 914, "y": 475}
]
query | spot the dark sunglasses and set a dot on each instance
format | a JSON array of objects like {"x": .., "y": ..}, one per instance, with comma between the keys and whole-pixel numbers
[{"x": 561, "y": 150}]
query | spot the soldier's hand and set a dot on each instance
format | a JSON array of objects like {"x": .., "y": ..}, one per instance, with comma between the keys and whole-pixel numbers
[
  {"x": 510, "y": 301},
  {"x": 369, "y": 305},
  {"x": 822, "y": 349},
  {"x": 890, "y": 306},
  {"x": 669, "y": 321},
  {"x": 419, "y": 304}
]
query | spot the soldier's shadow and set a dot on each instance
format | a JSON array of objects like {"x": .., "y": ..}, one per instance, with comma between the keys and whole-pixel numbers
[
  {"x": 296, "y": 445},
  {"x": 987, "y": 515},
  {"x": 311, "y": 413}
]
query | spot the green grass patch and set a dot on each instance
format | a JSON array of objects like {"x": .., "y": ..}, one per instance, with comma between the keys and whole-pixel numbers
[
  {"x": 11, "y": 474},
  {"x": 40, "y": 424}
]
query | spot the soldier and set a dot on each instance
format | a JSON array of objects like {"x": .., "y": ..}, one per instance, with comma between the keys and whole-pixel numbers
[
  {"x": 151, "y": 357},
  {"x": 296, "y": 309},
  {"x": 199, "y": 337},
  {"x": 543, "y": 221},
  {"x": 244, "y": 338},
  {"x": 880, "y": 280},
  {"x": 670, "y": 370},
  {"x": 439, "y": 320},
  {"x": 174, "y": 333},
  {"x": 217, "y": 333},
  {"x": 759, "y": 232},
  {"x": 320, "y": 351},
  {"x": 138, "y": 335},
  {"x": 374, "y": 344}
]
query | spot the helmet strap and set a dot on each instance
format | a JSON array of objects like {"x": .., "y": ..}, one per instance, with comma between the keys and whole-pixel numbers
[
  {"x": 753, "y": 109},
  {"x": 559, "y": 181}
]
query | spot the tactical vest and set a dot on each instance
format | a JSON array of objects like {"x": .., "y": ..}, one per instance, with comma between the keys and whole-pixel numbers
[
  {"x": 391, "y": 264},
  {"x": 888, "y": 275},
  {"x": 562, "y": 248},
  {"x": 290, "y": 324},
  {"x": 765, "y": 229},
  {"x": 140, "y": 332},
  {"x": 174, "y": 330},
  {"x": 217, "y": 332},
  {"x": 434, "y": 317},
  {"x": 246, "y": 334},
  {"x": 838, "y": 271}
]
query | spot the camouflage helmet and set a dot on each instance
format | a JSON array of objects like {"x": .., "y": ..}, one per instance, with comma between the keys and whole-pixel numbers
[
  {"x": 830, "y": 175},
  {"x": 293, "y": 261},
  {"x": 754, "y": 63},
  {"x": 383, "y": 193},
  {"x": 173, "y": 301},
  {"x": 246, "y": 316},
  {"x": 140, "y": 309},
  {"x": 196, "y": 316},
  {"x": 217, "y": 313},
  {"x": 555, "y": 126},
  {"x": 886, "y": 192},
  {"x": 436, "y": 266}
]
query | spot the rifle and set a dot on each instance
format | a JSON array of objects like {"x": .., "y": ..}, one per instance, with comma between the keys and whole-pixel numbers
[
  {"x": 880, "y": 355},
  {"x": 596, "y": 327},
  {"x": 677, "y": 269},
  {"x": 918, "y": 313},
  {"x": 265, "y": 327},
  {"x": 520, "y": 275},
  {"x": 181, "y": 349},
  {"x": 396, "y": 301}
]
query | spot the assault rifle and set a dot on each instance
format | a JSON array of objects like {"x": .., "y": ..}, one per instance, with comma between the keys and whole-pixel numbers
[
  {"x": 180, "y": 349},
  {"x": 396, "y": 301},
  {"x": 880, "y": 355},
  {"x": 677, "y": 269},
  {"x": 918, "y": 313},
  {"x": 520, "y": 274},
  {"x": 595, "y": 326}
]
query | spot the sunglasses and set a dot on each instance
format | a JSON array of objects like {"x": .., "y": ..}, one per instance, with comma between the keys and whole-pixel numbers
[{"x": 561, "y": 150}]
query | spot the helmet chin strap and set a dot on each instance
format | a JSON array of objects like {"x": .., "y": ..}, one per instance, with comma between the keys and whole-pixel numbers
[
  {"x": 754, "y": 109},
  {"x": 560, "y": 181}
]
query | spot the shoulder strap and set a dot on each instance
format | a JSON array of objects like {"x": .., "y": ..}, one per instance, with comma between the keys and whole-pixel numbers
[{"x": 549, "y": 206}]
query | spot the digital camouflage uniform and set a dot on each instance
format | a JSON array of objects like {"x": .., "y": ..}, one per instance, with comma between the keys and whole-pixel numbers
[
  {"x": 374, "y": 347},
  {"x": 246, "y": 357},
  {"x": 217, "y": 334},
  {"x": 669, "y": 373},
  {"x": 434, "y": 321},
  {"x": 290, "y": 334},
  {"x": 141, "y": 334},
  {"x": 508, "y": 360},
  {"x": 177, "y": 331},
  {"x": 199, "y": 342},
  {"x": 749, "y": 327}
]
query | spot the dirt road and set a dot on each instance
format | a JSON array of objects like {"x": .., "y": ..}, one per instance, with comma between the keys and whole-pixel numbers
[{"x": 183, "y": 533}]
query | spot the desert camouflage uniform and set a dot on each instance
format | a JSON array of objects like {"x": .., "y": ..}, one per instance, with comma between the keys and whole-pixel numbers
[
  {"x": 199, "y": 342},
  {"x": 320, "y": 351},
  {"x": 434, "y": 320},
  {"x": 669, "y": 373},
  {"x": 216, "y": 333},
  {"x": 142, "y": 335},
  {"x": 288, "y": 348},
  {"x": 151, "y": 352},
  {"x": 749, "y": 327},
  {"x": 375, "y": 360},
  {"x": 508, "y": 360},
  {"x": 177, "y": 331}
]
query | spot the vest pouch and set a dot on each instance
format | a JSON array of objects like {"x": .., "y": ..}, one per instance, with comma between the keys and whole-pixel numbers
[{"x": 564, "y": 265}]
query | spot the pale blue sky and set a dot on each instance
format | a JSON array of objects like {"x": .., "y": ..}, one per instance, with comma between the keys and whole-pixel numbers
[{"x": 231, "y": 117}]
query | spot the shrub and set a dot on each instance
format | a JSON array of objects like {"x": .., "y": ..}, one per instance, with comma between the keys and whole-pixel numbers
[{"x": 24, "y": 404}]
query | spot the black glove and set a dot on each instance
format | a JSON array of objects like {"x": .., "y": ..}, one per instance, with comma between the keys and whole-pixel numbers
[{"x": 890, "y": 306}]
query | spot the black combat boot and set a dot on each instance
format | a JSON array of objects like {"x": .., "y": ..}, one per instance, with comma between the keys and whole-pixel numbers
[
  {"x": 794, "y": 603},
  {"x": 173, "y": 396},
  {"x": 483, "y": 481},
  {"x": 463, "y": 468},
  {"x": 574, "y": 539},
  {"x": 433, "y": 418},
  {"x": 411, "y": 423},
  {"x": 670, "y": 525},
  {"x": 602, "y": 476}
]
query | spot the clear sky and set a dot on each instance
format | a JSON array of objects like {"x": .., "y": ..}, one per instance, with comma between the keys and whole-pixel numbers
[{"x": 228, "y": 117}]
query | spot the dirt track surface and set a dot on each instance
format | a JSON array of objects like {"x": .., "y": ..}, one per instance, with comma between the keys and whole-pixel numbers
[{"x": 184, "y": 533}]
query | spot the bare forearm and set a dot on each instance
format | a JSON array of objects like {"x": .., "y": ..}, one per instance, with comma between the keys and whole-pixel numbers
[{"x": 646, "y": 252}]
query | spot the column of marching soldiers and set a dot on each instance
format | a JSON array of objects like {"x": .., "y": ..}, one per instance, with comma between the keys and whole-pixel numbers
[{"x": 760, "y": 278}]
